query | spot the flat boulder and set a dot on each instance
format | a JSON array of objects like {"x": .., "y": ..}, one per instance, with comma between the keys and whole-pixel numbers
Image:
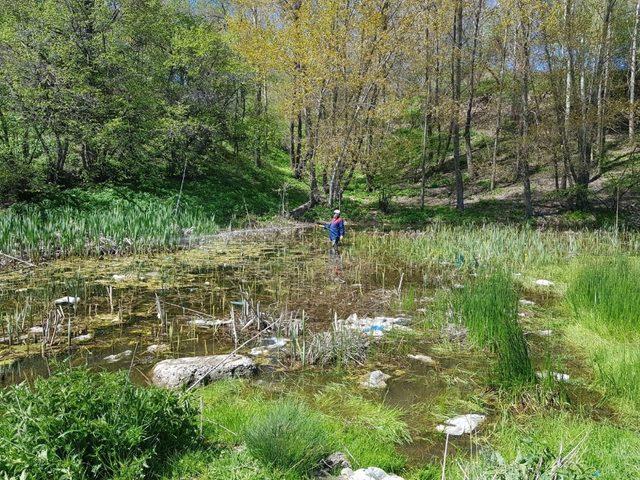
[{"x": 180, "y": 372}]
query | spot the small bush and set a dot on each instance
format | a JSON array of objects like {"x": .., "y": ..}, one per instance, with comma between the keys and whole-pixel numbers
[
  {"x": 606, "y": 294},
  {"x": 80, "y": 425},
  {"x": 489, "y": 309},
  {"x": 289, "y": 436}
]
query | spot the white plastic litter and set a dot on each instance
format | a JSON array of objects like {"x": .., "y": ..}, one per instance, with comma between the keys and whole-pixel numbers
[{"x": 462, "y": 424}]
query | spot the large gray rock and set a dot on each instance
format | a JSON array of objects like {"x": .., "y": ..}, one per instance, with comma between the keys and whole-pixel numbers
[
  {"x": 371, "y": 473},
  {"x": 179, "y": 372}
]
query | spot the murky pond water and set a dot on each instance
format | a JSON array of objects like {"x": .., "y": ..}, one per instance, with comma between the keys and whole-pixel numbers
[{"x": 131, "y": 303}]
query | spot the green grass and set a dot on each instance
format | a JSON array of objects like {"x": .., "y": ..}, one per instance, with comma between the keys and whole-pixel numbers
[
  {"x": 607, "y": 451},
  {"x": 489, "y": 309},
  {"x": 110, "y": 219},
  {"x": 367, "y": 431},
  {"x": 79, "y": 425},
  {"x": 289, "y": 436},
  {"x": 605, "y": 294}
]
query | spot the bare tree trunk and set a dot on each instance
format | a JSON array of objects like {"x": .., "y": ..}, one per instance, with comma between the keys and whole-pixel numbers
[
  {"x": 292, "y": 146},
  {"x": 257, "y": 154},
  {"x": 472, "y": 84},
  {"x": 524, "y": 117},
  {"x": 494, "y": 155},
  {"x": 457, "y": 79},
  {"x": 632, "y": 74},
  {"x": 566, "y": 153}
]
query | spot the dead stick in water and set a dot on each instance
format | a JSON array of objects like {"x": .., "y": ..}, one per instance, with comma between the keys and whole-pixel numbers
[{"x": 17, "y": 259}]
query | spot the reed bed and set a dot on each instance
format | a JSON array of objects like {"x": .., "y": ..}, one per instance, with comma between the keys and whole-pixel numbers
[
  {"x": 442, "y": 247},
  {"x": 605, "y": 294},
  {"x": 489, "y": 309},
  {"x": 125, "y": 227}
]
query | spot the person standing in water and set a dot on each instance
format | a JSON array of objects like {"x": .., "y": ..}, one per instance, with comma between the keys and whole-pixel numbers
[{"x": 336, "y": 228}]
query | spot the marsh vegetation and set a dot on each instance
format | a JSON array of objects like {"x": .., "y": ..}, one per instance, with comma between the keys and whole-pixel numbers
[{"x": 535, "y": 330}]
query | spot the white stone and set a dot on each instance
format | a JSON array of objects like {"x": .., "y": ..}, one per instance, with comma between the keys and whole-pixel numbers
[
  {"x": 544, "y": 283},
  {"x": 159, "y": 348},
  {"x": 462, "y": 424},
  {"x": 545, "y": 333},
  {"x": 178, "y": 372},
  {"x": 82, "y": 338},
  {"x": 370, "y": 473},
  {"x": 67, "y": 301},
  {"x": 376, "y": 379},
  {"x": 526, "y": 302},
  {"x": 422, "y": 358},
  {"x": 118, "y": 356},
  {"x": 559, "y": 377}
]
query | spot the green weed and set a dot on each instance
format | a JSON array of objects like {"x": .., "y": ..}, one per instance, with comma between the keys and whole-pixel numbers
[
  {"x": 289, "y": 436},
  {"x": 489, "y": 309},
  {"x": 605, "y": 294},
  {"x": 80, "y": 425}
]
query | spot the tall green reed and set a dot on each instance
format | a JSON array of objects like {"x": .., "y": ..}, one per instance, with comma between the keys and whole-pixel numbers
[
  {"x": 489, "y": 309},
  {"x": 605, "y": 294},
  {"x": 37, "y": 232}
]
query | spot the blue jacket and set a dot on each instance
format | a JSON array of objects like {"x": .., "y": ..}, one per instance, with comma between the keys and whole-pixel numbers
[{"x": 336, "y": 228}]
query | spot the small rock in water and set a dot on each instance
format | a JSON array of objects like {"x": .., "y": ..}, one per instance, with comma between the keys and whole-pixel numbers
[
  {"x": 544, "y": 283},
  {"x": 157, "y": 348},
  {"x": 559, "y": 377},
  {"x": 82, "y": 338},
  {"x": 118, "y": 356},
  {"x": 202, "y": 323},
  {"x": 370, "y": 473},
  {"x": 376, "y": 379},
  {"x": 67, "y": 301},
  {"x": 545, "y": 333},
  {"x": 462, "y": 424},
  {"x": 422, "y": 358},
  {"x": 36, "y": 330},
  {"x": 528, "y": 303}
]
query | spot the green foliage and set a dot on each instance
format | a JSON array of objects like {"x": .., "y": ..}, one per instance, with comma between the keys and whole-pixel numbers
[
  {"x": 606, "y": 291},
  {"x": 489, "y": 309},
  {"x": 368, "y": 430},
  {"x": 526, "y": 466},
  {"x": 81, "y": 425},
  {"x": 123, "y": 227},
  {"x": 289, "y": 436},
  {"x": 619, "y": 372},
  {"x": 605, "y": 451}
]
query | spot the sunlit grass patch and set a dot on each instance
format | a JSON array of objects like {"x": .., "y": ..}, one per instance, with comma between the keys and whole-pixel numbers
[
  {"x": 289, "y": 436},
  {"x": 605, "y": 295},
  {"x": 489, "y": 309},
  {"x": 607, "y": 451}
]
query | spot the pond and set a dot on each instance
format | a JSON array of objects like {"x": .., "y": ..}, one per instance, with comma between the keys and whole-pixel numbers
[{"x": 134, "y": 311}]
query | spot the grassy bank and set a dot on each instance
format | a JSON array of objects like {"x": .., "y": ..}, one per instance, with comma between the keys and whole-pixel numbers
[{"x": 117, "y": 220}]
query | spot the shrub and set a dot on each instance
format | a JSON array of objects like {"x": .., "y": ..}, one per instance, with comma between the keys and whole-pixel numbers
[
  {"x": 82, "y": 425},
  {"x": 489, "y": 309},
  {"x": 606, "y": 293},
  {"x": 289, "y": 436}
]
